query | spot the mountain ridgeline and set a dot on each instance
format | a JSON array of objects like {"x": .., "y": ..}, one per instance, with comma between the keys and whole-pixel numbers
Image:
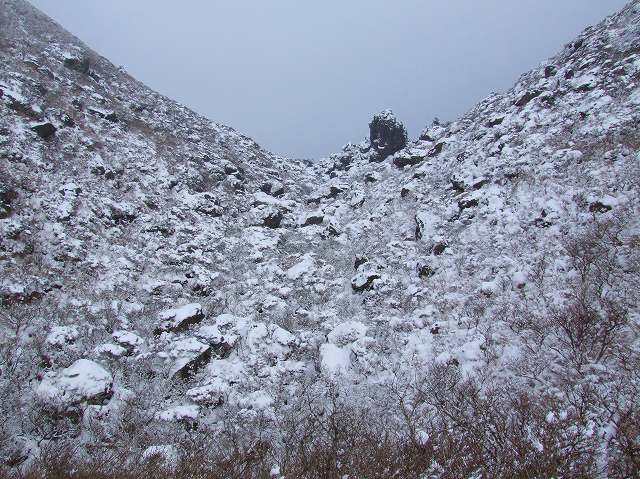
[{"x": 177, "y": 301}]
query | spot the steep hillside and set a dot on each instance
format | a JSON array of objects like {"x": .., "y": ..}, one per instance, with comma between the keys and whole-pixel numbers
[{"x": 169, "y": 287}]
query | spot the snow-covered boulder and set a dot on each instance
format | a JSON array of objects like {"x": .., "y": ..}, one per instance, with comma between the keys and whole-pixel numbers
[
  {"x": 128, "y": 340},
  {"x": 179, "y": 319},
  {"x": 189, "y": 356},
  {"x": 334, "y": 360},
  {"x": 336, "y": 355},
  {"x": 304, "y": 267},
  {"x": 270, "y": 341},
  {"x": 84, "y": 381},
  {"x": 364, "y": 281},
  {"x": 347, "y": 333},
  {"x": 186, "y": 413},
  {"x": 110, "y": 350}
]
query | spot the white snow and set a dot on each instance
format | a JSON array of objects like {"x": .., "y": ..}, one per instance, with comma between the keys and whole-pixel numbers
[
  {"x": 334, "y": 360},
  {"x": 180, "y": 413},
  {"x": 347, "y": 332},
  {"x": 62, "y": 335},
  {"x": 172, "y": 318},
  {"x": 83, "y": 380},
  {"x": 305, "y": 266}
]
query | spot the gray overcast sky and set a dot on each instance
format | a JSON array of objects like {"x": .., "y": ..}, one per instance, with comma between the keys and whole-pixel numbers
[{"x": 304, "y": 77}]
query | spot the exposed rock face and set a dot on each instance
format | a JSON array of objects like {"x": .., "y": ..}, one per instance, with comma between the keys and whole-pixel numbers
[
  {"x": 386, "y": 135},
  {"x": 80, "y": 65},
  {"x": 313, "y": 219},
  {"x": 364, "y": 281},
  {"x": 273, "y": 219},
  {"x": 44, "y": 130},
  {"x": 179, "y": 319}
]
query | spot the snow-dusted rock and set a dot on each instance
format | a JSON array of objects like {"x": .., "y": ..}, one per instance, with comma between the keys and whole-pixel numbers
[
  {"x": 110, "y": 350},
  {"x": 189, "y": 356},
  {"x": 165, "y": 456},
  {"x": 364, "y": 281},
  {"x": 179, "y": 319},
  {"x": 180, "y": 413},
  {"x": 128, "y": 340},
  {"x": 84, "y": 381},
  {"x": 60, "y": 336},
  {"x": 347, "y": 332}
]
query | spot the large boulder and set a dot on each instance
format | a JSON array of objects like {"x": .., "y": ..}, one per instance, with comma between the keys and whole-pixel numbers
[
  {"x": 364, "y": 281},
  {"x": 44, "y": 130},
  {"x": 80, "y": 64},
  {"x": 84, "y": 381},
  {"x": 386, "y": 135},
  {"x": 179, "y": 319}
]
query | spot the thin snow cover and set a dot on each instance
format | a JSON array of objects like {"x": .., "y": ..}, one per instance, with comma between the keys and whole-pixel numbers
[
  {"x": 127, "y": 338},
  {"x": 167, "y": 456},
  {"x": 62, "y": 335},
  {"x": 470, "y": 224},
  {"x": 305, "y": 266},
  {"x": 180, "y": 413},
  {"x": 84, "y": 380}
]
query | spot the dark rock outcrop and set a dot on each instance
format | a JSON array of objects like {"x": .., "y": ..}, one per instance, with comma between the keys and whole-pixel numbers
[
  {"x": 44, "y": 130},
  {"x": 80, "y": 65},
  {"x": 386, "y": 135},
  {"x": 179, "y": 319}
]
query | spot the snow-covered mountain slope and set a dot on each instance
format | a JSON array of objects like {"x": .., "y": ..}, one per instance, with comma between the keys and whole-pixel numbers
[
  {"x": 100, "y": 173},
  {"x": 161, "y": 267}
]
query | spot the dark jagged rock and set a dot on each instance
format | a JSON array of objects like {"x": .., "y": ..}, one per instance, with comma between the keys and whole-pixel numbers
[
  {"x": 407, "y": 160},
  {"x": 599, "y": 207},
  {"x": 550, "y": 70},
  {"x": 80, "y": 65},
  {"x": 469, "y": 203},
  {"x": 180, "y": 319},
  {"x": 436, "y": 150},
  {"x": 364, "y": 282},
  {"x": 495, "y": 121},
  {"x": 360, "y": 260},
  {"x": 313, "y": 220},
  {"x": 44, "y": 130},
  {"x": 386, "y": 135},
  {"x": 439, "y": 248},
  {"x": 425, "y": 271},
  {"x": 7, "y": 196},
  {"x": 273, "y": 220},
  {"x": 107, "y": 115}
]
